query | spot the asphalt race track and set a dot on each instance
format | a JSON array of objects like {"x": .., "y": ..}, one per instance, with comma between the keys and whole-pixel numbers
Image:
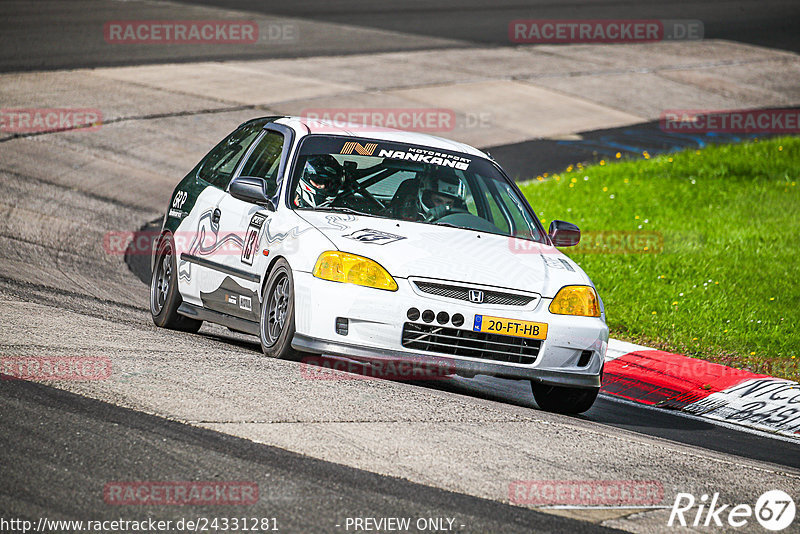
[
  {"x": 91, "y": 442},
  {"x": 764, "y": 23},
  {"x": 70, "y": 40},
  {"x": 210, "y": 406}
]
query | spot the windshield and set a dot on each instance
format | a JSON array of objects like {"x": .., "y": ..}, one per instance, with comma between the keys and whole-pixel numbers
[{"x": 410, "y": 183}]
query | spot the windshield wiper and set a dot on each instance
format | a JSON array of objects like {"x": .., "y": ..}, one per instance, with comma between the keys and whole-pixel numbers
[
  {"x": 344, "y": 209},
  {"x": 448, "y": 225}
]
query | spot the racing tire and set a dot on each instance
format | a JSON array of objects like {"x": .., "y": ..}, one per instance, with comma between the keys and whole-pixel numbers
[
  {"x": 164, "y": 295},
  {"x": 564, "y": 400},
  {"x": 276, "y": 325}
]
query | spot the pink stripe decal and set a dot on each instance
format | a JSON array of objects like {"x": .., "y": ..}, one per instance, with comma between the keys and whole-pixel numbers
[{"x": 668, "y": 380}]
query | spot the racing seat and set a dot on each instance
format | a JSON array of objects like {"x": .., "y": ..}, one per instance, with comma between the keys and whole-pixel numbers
[{"x": 404, "y": 202}]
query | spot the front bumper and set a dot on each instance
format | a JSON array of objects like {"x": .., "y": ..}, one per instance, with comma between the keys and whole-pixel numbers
[
  {"x": 458, "y": 366},
  {"x": 376, "y": 319}
]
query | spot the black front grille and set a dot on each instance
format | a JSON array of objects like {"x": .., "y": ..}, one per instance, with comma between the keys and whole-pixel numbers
[
  {"x": 462, "y": 293},
  {"x": 432, "y": 338}
]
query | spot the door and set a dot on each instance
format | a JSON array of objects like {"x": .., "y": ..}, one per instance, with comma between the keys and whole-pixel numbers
[
  {"x": 197, "y": 238},
  {"x": 241, "y": 261}
]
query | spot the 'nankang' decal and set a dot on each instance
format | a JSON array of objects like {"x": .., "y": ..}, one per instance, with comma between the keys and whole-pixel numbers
[
  {"x": 422, "y": 155},
  {"x": 375, "y": 237},
  {"x": 363, "y": 150}
]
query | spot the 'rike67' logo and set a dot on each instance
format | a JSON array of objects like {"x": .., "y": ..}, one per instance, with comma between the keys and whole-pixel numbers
[{"x": 774, "y": 510}]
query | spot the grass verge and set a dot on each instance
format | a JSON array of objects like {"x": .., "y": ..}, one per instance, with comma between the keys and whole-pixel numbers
[{"x": 695, "y": 252}]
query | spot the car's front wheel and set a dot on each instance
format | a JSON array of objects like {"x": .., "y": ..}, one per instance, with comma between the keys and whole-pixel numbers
[
  {"x": 164, "y": 296},
  {"x": 277, "y": 313},
  {"x": 562, "y": 399}
]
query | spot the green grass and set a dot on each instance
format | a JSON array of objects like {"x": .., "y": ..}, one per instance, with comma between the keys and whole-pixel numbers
[{"x": 721, "y": 281}]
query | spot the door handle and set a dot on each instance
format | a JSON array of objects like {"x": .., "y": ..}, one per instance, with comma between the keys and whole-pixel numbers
[{"x": 216, "y": 215}]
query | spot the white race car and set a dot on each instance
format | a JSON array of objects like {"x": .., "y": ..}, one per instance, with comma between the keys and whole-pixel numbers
[{"x": 378, "y": 244}]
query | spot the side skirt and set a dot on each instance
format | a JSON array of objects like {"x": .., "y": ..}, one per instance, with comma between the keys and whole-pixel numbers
[{"x": 234, "y": 323}]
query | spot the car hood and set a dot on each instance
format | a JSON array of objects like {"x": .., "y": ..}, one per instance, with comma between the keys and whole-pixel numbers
[{"x": 408, "y": 249}]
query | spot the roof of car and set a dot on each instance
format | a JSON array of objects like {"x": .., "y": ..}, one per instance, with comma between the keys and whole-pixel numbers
[{"x": 306, "y": 126}]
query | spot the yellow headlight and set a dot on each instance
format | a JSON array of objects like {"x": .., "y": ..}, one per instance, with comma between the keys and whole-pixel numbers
[
  {"x": 576, "y": 300},
  {"x": 349, "y": 268}
]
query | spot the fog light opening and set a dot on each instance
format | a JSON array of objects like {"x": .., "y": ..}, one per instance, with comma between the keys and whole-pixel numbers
[{"x": 586, "y": 356}]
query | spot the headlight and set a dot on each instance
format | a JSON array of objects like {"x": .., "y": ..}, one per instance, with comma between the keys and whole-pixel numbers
[
  {"x": 576, "y": 300},
  {"x": 349, "y": 268}
]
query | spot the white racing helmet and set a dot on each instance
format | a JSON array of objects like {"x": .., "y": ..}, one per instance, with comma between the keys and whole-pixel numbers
[
  {"x": 439, "y": 187},
  {"x": 321, "y": 180}
]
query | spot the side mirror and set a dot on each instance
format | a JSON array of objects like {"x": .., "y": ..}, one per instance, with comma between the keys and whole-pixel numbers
[
  {"x": 564, "y": 234},
  {"x": 251, "y": 189}
]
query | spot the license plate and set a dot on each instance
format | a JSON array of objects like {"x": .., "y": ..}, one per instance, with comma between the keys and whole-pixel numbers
[{"x": 509, "y": 327}]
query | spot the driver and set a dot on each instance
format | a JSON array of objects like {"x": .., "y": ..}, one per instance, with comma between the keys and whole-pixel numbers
[
  {"x": 320, "y": 182},
  {"x": 440, "y": 192}
]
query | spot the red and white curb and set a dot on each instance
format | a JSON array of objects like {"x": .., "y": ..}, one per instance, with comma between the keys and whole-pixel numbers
[{"x": 657, "y": 378}]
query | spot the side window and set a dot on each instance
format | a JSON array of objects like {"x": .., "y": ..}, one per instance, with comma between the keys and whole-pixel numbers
[
  {"x": 218, "y": 166},
  {"x": 265, "y": 159}
]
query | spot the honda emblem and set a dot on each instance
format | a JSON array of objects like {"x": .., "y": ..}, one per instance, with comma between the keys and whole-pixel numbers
[{"x": 476, "y": 296}]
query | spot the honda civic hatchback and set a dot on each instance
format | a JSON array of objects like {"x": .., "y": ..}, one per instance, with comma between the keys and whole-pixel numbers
[{"x": 378, "y": 244}]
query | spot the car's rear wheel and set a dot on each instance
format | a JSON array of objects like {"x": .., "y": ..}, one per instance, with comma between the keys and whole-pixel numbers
[
  {"x": 277, "y": 313},
  {"x": 562, "y": 399},
  {"x": 164, "y": 296}
]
